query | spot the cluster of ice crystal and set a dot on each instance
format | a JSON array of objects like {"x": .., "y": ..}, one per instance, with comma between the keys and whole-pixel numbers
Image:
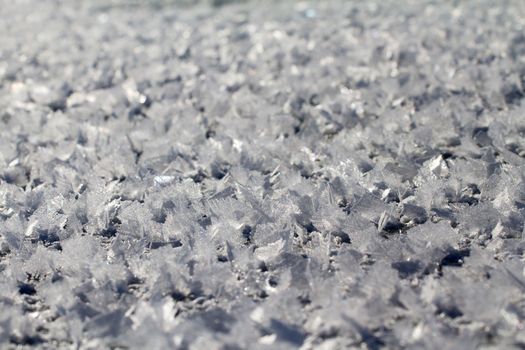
[{"x": 262, "y": 174}]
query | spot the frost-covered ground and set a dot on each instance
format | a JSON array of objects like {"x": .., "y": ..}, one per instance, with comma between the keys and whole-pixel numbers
[{"x": 263, "y": 175}]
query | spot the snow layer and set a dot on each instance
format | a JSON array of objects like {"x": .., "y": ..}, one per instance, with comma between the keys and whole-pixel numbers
[{"x": 263, "y": 175}]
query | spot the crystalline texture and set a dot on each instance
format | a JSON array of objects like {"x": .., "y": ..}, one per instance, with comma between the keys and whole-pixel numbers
[{"x": 262, "y": 174}]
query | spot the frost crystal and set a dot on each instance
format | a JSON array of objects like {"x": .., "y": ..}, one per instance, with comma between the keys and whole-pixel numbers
[{"x": 226, "y": 174}]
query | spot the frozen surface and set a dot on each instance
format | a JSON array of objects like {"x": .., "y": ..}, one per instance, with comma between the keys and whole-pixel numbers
[{"x": 264, "y": 175}]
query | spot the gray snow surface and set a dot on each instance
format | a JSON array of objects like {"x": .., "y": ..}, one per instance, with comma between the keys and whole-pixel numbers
[{"x": 262, "y": 174}]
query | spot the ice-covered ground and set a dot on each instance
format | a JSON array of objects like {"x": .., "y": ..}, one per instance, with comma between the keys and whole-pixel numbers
[{"x": 262, "y": 175}]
